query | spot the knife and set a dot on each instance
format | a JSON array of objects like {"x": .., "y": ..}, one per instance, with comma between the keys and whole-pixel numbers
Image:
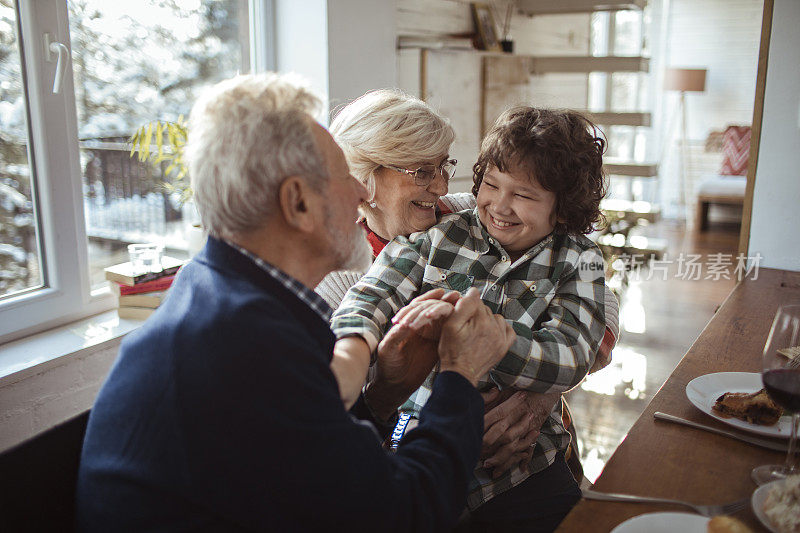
[{"x": 772, "y": 445}]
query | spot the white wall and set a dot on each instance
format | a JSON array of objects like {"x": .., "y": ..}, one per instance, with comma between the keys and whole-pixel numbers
[
  {"x": 361, "y": 40},
  {"x": 344, "y": 47},
  {"x": 301, "y": 40},
  {"x": 775, "y": 226},
  {"x": 52, "y": 393},
  {"x": 721, "y": 36}
]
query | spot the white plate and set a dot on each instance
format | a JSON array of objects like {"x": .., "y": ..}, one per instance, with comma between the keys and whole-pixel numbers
[
  {"x": 703, "y": 392},
  {"x": 664, "y": 523},
  {"x": 757, "y": 500}
]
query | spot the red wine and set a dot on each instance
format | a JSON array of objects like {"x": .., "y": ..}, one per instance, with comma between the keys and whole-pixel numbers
[{"x": 783, "y": 386}]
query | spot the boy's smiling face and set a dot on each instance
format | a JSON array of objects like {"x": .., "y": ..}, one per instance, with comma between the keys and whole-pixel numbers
[{"x": 515, "y": 209}]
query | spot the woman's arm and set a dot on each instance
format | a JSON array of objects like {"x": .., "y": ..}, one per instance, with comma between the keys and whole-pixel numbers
[
  {"x": 335, "y": 285},
  {"x": 458, "y": 201},
  {"x": 611, "y": 310}
]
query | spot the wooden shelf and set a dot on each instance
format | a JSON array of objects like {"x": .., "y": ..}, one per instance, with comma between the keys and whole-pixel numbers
[
  {"x": 560, "y": 7},
  {"x": 620, "y": 119},
  {"x": 585, "y": 64},
  {"x": 616, "y": 167}
]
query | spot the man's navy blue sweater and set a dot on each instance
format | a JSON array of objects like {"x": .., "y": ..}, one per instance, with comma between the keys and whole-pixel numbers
[{"x": 221, "y": 413}]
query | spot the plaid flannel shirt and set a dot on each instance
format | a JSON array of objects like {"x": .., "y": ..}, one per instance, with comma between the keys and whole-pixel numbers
[{"x": 552, "y": 296}]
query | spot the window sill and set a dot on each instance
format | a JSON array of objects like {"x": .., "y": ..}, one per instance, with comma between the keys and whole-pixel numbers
[{"x": 34, "y": 354}]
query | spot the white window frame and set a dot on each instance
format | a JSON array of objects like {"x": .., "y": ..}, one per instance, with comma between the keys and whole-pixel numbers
[
  {"x": 56, "y": 182},
  {"x": 54, "y": 160}
]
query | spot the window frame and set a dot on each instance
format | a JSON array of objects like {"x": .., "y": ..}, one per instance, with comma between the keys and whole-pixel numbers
[
  {"x": 56, "y": 180},
  {"x": 56, "y": 183}
]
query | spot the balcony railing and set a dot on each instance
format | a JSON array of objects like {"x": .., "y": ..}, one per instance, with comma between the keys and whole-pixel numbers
[{"x": 124, "y": 199}]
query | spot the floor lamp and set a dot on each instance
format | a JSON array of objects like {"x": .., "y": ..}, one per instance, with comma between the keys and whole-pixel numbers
[{"x": 684, "y": 80}]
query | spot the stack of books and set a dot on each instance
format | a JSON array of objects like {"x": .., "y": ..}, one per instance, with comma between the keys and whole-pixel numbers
[{"x": 140, "y": 293}]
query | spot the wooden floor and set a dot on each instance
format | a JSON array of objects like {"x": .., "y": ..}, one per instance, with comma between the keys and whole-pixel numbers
[{"x": 661, "y": 314}]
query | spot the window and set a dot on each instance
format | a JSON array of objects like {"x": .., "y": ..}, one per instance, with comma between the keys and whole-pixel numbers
[
  {"x": 20, "y": 258},
  {"x": 622, "y": 33},
  {"x": 71, "y": 198}
]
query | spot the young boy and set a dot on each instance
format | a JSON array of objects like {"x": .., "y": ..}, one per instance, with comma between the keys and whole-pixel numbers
[{"x": 538, "y": 183}]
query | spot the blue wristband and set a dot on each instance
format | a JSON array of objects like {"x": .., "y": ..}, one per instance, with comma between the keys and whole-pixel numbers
[{"x": 399, "y": 430}]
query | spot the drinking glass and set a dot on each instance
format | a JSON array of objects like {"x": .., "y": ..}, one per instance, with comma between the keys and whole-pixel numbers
[
  {"x": 146, "y": 257},
  {"x": 781, "y": 378}
]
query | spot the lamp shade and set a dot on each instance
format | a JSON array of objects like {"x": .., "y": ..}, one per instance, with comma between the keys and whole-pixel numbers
[{"x": 685, "y": 79}]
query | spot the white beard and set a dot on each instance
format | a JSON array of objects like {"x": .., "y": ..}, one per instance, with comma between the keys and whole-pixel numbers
[
  {"x": 353, "y": 251},
  {"x": 359, "y": 257}
]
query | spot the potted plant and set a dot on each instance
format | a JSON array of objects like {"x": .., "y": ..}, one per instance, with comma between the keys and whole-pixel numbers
[{"x": 169, "y": 139}]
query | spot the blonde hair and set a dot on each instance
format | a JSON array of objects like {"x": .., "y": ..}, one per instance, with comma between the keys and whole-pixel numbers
[
  {"x": 389, "y": 127},
  {"x": 246, "y": 135}
]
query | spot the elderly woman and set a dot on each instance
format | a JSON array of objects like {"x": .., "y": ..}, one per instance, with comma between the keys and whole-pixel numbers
[{"x": 398, "y": 147}]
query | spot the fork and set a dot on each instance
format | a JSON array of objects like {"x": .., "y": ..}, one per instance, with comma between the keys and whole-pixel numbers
[{"x": 705, "y": 510}]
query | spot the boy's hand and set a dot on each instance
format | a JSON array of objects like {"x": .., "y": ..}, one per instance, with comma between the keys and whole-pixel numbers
[
  {"x": 426, "y": 318},
  {"x": 425, "y": 314}
]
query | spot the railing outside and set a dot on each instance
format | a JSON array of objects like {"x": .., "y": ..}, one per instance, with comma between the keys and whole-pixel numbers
[{"x": 124, "y": 199}]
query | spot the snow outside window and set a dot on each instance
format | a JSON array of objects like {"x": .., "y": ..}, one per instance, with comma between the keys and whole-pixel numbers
[{"x": 71, "y": 197}]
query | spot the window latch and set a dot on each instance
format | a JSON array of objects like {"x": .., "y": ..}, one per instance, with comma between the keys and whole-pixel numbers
[{"x": 62, "y": 56}]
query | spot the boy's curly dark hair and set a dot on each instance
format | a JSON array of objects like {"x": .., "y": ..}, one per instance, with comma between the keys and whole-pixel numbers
[{"x": 561, "y": 149}]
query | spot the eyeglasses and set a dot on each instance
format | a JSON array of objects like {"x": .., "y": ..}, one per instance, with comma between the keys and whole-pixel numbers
[{"x": 425, "y": 174}]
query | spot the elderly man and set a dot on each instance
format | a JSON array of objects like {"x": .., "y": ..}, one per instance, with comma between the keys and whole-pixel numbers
[{"x": 225, "y": 410}]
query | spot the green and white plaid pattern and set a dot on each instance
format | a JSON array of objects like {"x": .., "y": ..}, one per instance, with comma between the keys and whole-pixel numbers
[{"x": 552, "y": 296}]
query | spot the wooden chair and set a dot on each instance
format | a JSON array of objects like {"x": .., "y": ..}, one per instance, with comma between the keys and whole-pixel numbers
[{"x": 38, "y": 479}]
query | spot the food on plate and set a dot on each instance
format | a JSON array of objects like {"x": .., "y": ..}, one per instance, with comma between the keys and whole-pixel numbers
[
  {"x": 791, "y": 353},
  {"x": 782, "y": 505},
  {"x": 726, "y": 524},
  {"x": 754, "y": 407}
]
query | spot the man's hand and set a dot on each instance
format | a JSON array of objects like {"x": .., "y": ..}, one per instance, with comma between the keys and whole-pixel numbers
[
  {"x": 473, "y": 339},
  {"x": 405, "y": 359},
  {"x": 511, "y": 425}
]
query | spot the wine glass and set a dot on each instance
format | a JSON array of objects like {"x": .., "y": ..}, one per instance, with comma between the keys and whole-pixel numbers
[{"x": 781, "y": 378}]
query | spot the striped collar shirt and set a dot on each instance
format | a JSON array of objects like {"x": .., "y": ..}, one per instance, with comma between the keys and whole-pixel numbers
[{"x": 306, "y": 295}]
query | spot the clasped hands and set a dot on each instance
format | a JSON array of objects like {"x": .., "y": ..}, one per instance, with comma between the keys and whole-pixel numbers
[{"x": 463, "y": 335}]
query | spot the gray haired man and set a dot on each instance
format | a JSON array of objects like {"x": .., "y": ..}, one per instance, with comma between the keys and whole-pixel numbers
[{"x": 228, "y": 409}]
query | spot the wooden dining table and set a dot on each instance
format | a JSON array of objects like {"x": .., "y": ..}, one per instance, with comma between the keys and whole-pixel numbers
[{"x": 667, "y": 460}]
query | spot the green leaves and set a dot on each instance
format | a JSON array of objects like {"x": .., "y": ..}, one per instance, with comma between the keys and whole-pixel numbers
[{"x": 163, "y": 142}]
